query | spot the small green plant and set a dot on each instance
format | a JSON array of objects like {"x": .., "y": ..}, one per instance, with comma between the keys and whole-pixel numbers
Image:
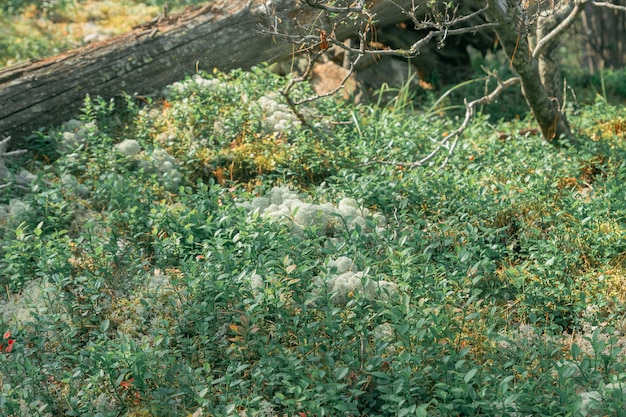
[{"x": 45, "y": 7}]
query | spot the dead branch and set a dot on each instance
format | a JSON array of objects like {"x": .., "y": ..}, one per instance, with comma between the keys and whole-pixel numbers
[
  {"x": 560, "y": 28},
  {"x": 335, "y": 9},
  {"x": 609, "y": 5},
  {"x": 444, "y": 33},
  {"x": 441, "y": 29},
  {"x": 439, "y": 25},
  {"x": 449, "y": 142},
  {"x": 286, "y": 93},
  {"x": 445, "y": 24},
  {"x": 19, "y": 180}
]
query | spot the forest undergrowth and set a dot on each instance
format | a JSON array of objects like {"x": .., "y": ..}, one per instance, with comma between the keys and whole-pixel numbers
[{"x": 205, "y": 253}]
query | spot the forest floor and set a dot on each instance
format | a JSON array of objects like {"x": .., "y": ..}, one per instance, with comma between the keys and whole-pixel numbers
[{"x": 205, "y": 253}]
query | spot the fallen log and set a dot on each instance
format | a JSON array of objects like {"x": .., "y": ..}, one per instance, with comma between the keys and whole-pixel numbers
[{"x": 43, "y": 93}]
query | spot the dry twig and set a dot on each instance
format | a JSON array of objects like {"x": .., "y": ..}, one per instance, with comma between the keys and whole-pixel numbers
[
  {"x": 445, "y": 143},
  {"x": 609, "y": 5},
  {"x": 19, "y": 180}
]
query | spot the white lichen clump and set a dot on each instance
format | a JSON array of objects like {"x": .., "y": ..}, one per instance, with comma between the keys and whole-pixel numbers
[
  {"x": 285, "y": 206},
  {"x": 276, "y": 115},
  {"x": 13, "y": 210},
  {"x": 71, "y": 183},
  {"x": 270, "y": 110},
  {"x": 75, "y": 133},
  {"x": 256, "y": 282},
  {"x": 158, "y": 161},
  {"x": 345, "y": 281},
  {"x": 384, "y": 332},
  {"x": 593, "y": 403},
  {"x": 36, "y": 297},
  {"x": 128, "y": 147},
  {"x": 197, "y": 81},
  {"x": 212, "y": 84},
  {"x": 145, "y": 311}
]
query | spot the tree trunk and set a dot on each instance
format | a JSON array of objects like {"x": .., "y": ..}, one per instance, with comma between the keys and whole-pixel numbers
[
  {"x": 549, "y": 61},
  {"x": 47, "y": 92},
  {"x": 540, "y": 97}
]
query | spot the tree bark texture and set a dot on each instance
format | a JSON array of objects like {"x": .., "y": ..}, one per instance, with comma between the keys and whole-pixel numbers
[
  {"x": 548, "y": 59},
  {"x": 544, "y": 106},
  {"x": 225, "y": 36}
]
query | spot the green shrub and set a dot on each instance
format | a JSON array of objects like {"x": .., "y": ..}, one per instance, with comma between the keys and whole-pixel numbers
[{"x": 314, "y": 274}]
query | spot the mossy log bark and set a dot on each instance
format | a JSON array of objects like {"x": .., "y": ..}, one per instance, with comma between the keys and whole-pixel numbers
[{"x": 223, "y": 35}]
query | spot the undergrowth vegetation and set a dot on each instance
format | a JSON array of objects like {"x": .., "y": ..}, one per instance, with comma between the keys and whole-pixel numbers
[
  {"x": 35, "y": 29},
  {"x": 207, "y": 254}
]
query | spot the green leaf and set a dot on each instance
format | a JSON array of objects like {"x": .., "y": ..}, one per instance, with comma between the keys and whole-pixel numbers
[
  {"x": 406, "y": 411},
  {"x": 104, "y": 326},
  {"x": 504, "y": 385},
  {"x": 340, "y": 373},
  {"x": 202, "y": 393},
  {"x": 470, "y": 375},
  {"x": 422, "y": 411}
]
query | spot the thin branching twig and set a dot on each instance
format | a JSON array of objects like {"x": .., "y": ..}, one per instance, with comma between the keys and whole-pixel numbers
[
  {"x": 336, "y": 9},
  {"x": 560, "y": 28},
  {"x": 440, "y": 25},
  {"x": 609, "y": 5},
  {"x": 450, "y": 141},
  {"x": 20, "y": 181}
]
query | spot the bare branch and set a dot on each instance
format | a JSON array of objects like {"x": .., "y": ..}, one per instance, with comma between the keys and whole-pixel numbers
[
  {"x": 609, "y": 5},
  {"x": 286, "y": 93},
  {"x": 336, "y": 89},
  {"x": 443, "y": 29},
  {"x": 469, "y": 111},
  {"x": 4, "y": 144},
  {"x": 293, "y": 105},
  {"x": 456, "y": 134},
  {"x": 562, "y": 27},
  {"x": 333, "y": 9},
  {"x": 453, "y": 22},
  {"x": 415, "y": 48},
  {"x": 19, "y": 180},
  {"x": 440, "y": 29}
]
